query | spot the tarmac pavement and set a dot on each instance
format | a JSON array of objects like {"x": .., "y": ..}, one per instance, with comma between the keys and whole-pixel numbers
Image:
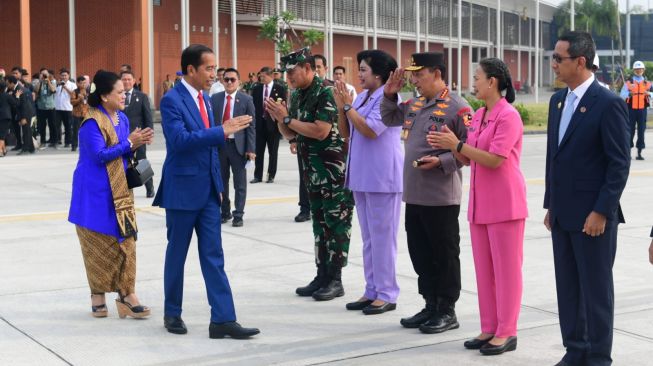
[{"x": 45, "y": 306}]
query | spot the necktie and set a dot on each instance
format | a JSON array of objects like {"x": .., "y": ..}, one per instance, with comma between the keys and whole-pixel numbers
[
  {"x": 227, "y": 110},
  {"x": 567, "y": 112},
  {"x": 205, "y": 116},
  {"x": 265, "y": 97},
  {"x": 127, "y": 98}
]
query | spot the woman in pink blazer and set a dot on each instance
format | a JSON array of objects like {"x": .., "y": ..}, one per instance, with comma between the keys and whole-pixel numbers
[{"x": 497, "y": 205}]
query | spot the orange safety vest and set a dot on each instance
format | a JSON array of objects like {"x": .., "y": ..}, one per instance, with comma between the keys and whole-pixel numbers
[{"x": 639, "y": 97}]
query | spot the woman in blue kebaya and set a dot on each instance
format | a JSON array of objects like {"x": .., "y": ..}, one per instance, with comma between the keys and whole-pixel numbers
[{"x": 102, "y": 206}]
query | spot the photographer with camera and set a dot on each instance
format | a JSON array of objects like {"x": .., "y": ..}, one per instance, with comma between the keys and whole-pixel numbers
[
  {"x": 44, "y": 90},
  {"x": 63, "y": 107}
]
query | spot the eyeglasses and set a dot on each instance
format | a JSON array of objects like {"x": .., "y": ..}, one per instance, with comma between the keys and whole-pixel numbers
[
  {"x": 229, "y": 80},
  {"x": 558, "y": 59}
]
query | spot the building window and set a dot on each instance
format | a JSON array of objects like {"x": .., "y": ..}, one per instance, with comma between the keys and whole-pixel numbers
[{"x": 156, "y": 2}]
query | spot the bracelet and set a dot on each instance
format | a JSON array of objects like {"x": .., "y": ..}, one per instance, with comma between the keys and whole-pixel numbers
[{"x": 459, "y": 146}]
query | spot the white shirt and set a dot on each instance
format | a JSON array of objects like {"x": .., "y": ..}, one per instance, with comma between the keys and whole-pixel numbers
[
  {"x": 269, "y": 85},
  {"x": 193, "y": 92},
  {"x": 131, "y": 95},
  {"x": 351, "y": 90},
  {"x": 580, "y": 90},
  {"x": 62, "y": 98},
  {"x": 216, "y": 88}
]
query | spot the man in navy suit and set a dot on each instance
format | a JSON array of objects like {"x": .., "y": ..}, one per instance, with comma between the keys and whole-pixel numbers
[
  {"x": 240, "y": 145},
  {"x": 190, "y": 191},
  {"x": 587, "y": 164}
]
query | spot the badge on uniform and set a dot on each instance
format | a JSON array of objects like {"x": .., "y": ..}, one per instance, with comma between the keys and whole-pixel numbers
[
  {"x": 404, "y": 134},
  {"x": 442, "y": 105},
  {"x": 583, "y": 109},
  {"x": 418, "y": 104},
  {"x": 439, "y": 113},
  {"x": 559, "y": 105}
]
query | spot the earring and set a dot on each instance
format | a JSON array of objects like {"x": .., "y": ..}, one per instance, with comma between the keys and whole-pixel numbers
[{"x": 104, "y": 100}]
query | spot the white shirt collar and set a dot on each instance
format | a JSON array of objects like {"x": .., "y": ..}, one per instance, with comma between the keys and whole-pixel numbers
[
  {"x": 193, "y": 92},
  {"x": 233, "y": 95},
  {"x": 130, "y": 91},
  {"x": 582, "y": 88}
]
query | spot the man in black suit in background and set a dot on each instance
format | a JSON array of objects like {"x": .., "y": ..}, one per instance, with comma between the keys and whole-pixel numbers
[
  {"x": 267, "y": 132},
  {"x": 23, "y": 113},
  {"x": 240, "y": 146},
  {"x": 137, "y": 109}
]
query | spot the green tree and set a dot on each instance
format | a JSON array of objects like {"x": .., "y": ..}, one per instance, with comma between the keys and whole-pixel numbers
[{"x": 279, "y": 29}]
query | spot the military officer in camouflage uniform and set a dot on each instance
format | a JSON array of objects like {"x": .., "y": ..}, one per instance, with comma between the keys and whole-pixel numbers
[
  {"x": 250, "y": 84},
  {"x": 432, "y": 186},
  {"x": 278, "y": 77},
  {"x": 312, "y": 120}
]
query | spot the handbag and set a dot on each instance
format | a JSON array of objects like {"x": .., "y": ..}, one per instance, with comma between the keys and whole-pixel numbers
[{"x": 138, "y": 172}]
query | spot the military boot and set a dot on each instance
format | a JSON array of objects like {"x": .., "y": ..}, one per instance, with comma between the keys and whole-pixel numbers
[
  {"x": 332, "y": 287},
  {"x": 443, "y": 320},
  {"x": 314, "y": 285},
  {"x": 425, "y": 314}
]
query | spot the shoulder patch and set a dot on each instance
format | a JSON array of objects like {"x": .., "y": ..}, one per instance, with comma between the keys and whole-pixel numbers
[{"x": 464, "y": 110}]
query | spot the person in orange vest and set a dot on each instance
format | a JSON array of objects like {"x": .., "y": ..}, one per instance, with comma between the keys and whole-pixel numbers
[{"x": 636, "y": 93}]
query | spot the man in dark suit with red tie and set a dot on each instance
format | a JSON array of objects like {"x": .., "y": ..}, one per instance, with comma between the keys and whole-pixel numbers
[
  {"x": 240, "y": 146},
  {"x": 190, "y": 190},
  {"x": 267, "y": 132},
  {"x": 587, "y": 164}
]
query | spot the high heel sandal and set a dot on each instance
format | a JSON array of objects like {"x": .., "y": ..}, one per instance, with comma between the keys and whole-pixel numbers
[
  {"x": 99, "y": 311},
  {"x": 125, "y": 309}
]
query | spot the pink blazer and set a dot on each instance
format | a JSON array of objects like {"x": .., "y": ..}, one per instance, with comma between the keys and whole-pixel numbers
[{"x": 497, "y": 195}]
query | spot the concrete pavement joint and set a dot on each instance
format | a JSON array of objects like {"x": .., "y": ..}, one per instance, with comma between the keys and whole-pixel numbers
[{"x": 35, "y": 341}]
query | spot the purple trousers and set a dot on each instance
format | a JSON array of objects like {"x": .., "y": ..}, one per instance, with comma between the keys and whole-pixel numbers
[{"x": 378, "y": 215}]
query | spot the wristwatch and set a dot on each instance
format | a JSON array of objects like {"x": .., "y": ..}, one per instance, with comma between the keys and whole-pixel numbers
[
  {"x": 346, "y": 108},
  {"x": 286, "y": 120},
  {"x": 459, "y": 146}
]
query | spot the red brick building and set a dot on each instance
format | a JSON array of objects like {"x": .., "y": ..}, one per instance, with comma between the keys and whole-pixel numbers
[{"x": 147, "y": 34}]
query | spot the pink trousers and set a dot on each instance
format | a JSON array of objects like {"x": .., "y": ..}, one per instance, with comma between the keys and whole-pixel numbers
[{"x": 498, "y": 255}]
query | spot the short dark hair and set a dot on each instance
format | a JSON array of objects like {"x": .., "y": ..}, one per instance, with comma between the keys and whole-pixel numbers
[
  {"x": 50, "y": 71},
  {"x": 24, "y": 72},
  {"x": 63, "y": 69},
  {"x": 310, "y": 60},
  {"x": 16, "y": 68},
  {"x": 266, "y": 70},
  {"x": 231, "y": 69},
  {"x": 104, "y": 82},
  {"x": 126, "y": 66},
  {"x": 127, "y": 72},
  {"x": 81, "y": 78},
  {"x": 42, "y": 69},
  {"x": 192, "y": 56},
  {"x": 320, "y": 57},
  {"x": 581, "y": 44},
  {"x": 11, "y": 79},
  {"x": 220, "y": 69},
  {"x": 380, "y": 62},
  {"x": 344, "y": 71},
  {"x": 495, "y": 68}
]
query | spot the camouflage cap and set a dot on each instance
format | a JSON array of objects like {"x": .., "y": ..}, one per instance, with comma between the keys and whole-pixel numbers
[{"x": 289, "y": 61}]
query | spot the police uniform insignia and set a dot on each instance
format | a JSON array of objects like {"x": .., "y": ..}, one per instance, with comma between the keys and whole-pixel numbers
[
  {"x": 404, "y": 134},
  {"x": 422, "y": 99},
  {"x": 439, "y": 113},
  {"x": 583, "y": 109},
  {"x": 418, "y": 104},
  {"x": 408, "y": 124},
  {"x": 442, "y": 105},
  {"x": 433, "y": 127},
  {"x": 414, "y": 109},
  {"x": 467, "y": 119}
]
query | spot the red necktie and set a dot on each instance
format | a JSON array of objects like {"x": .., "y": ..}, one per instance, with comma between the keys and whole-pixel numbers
[
  {"x": 227, "y": 110},
  {"x": 205, "y": 116}
]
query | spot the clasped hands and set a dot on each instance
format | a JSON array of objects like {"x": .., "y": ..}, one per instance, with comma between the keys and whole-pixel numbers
[
  {"x": 140, "y": 137},
  {"x": 277, "y": 110}
]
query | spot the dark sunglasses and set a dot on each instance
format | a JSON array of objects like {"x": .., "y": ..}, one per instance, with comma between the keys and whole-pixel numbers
[
  {"x": 558, "y": 59},
  {"x": 229, "y": 80}
]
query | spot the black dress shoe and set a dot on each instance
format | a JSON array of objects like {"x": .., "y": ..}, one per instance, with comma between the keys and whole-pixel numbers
[
  {"x": 16, "y": 148},
  {"x": 270, "y": 180},
  {"x": 329, "y": 292},
  {"x": 303, "y": 216},
  {"x": 149, "y": 194},
  {"x": 379, "y": 309},
  {"x": 475, "y": 343},
  {"x": 226, "y": 218},
  {"x": 439, "y": 323},
  {"x": 490, "y": 350},
  {"x": 418, "y": 319},
  {"x": 358, "y": 305},
  {"x": 255, "y": 180},
  {"x": 231, "y": 329},
  {"x": 238, "y": 222},
  {"x": 639, "y": 157},
  {"x": 174, "y": 324}
]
